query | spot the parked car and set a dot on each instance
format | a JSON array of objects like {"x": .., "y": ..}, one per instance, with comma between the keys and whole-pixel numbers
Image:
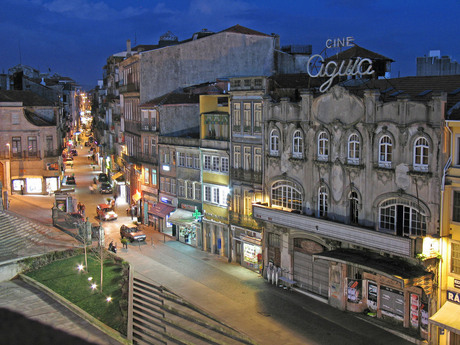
[
  {"x": 69, "y": 180},
  {"x": 103, "y": 177},
  {"x": 132, "y": 233},
  {"x": 105, "y": 212},
  {"x": 105, "y": 188},
  {"x": 74, "y": 152}
]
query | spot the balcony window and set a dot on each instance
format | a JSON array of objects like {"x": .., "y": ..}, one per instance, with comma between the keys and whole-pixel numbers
[
  {"x": 402, "y": 217},
  {"x": 287, "y": 194},
  {"x": 323, "y": 146},
  {"x": 297, "y": 144},
  {"x": 385, "y": 151},
  {"x": 421, "y": 148},
  {"x": 353, "y": 149},
  {"x": 274, "y": 143}
]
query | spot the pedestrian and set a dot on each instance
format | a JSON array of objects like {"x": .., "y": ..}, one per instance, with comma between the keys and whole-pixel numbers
[
  {"x": 125, "y": 243},
  {"x": 82, "y": 208},
  {"x": 115, "y": 196},
  {"x": 132, "y": 212},
  {"x": 94, "y": 180},
  {"x": 79, "y": 207}
]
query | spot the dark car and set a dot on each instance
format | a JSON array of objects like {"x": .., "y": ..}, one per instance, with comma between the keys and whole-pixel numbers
[
  {"x": 69, "y": 180},
  {"x": 105, "y": 188},
  {"x": 74, "y": 152},
  {"x": 103, "y": 177},
  {"x": 132, "y": 233}
]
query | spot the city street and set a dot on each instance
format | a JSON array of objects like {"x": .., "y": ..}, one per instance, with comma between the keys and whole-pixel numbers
[{"x": 233, "y": 294}]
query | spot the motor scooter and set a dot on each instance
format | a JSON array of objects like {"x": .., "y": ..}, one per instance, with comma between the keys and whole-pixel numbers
[{"x": 112, "y": 247}]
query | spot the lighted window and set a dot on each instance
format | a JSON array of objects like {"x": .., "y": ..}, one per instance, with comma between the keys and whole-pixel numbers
[
  {"x": 274, "y": 143},
  {"x": 287, "y": 194},
  {"x": 402, "y": 217},
  {"x": 421, "y": 148},
  {"x": 297, "y": 144},
  {"x": 353, "y": 149},
  {"x": 146, "y": 176},
  {"x": 385, "y": 151},
  {"x": 154, "y": 177},
  {"x": 323, "y": 146},
  {"x": 455, "y": 257}
]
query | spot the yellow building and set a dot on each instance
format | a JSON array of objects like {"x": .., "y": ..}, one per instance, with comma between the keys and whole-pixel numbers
[{"x": 447, "y": 318}]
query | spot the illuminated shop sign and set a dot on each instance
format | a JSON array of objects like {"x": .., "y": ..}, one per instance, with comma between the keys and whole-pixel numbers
[{"x": 359, "y": 66}]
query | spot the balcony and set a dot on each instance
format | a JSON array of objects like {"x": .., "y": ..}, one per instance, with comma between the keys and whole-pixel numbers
[
  {"x": 129, "y": 88},
  {"x": 147, "y": 158},
  {"x": 145, "y": 127},
  {"x": 371, "y": 239},
  {"x": 250, "y": 176},
  {"x": 52, "y": 153},
  {"x": 244, "y": 221}
]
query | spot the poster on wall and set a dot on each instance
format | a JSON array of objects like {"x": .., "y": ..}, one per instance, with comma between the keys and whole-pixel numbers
[
  {"x": 392, "y": 300},
  {"x": 250, "y": 253},
  {"x": 424, "y": 316},
  {"x": 61, "y": 205},
  {"x": 354, "y": 290},
  {"x": 414, "y": 309},
  {"x": 372, "y": 295}
]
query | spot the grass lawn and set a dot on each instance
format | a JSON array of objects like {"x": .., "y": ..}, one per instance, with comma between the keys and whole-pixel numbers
[{"x": 64, "y": 278}]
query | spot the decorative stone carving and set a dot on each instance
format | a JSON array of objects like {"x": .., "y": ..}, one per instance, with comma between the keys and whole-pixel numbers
[
  {"x": 337, "y": 182},
  {"x": 402, "y": 178}
]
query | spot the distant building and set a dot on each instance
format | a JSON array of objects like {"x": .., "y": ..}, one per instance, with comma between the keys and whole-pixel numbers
[{"x": 435, "y": 64}]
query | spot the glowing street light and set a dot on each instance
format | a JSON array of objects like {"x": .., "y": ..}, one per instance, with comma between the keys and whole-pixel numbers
[
  {"x": 109, "y": 299},
  {"x": 93, "y": 286},
  {"x": 80, "y": 267}
]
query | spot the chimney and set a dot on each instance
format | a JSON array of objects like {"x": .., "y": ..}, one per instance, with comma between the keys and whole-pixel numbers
[{"x": 128, "y": 48}]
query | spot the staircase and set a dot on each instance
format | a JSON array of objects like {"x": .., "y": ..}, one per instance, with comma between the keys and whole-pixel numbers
[{"x": 161, "y": 317}]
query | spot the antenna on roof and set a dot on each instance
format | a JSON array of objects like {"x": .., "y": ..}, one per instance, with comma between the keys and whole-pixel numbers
[{"x": 20, "y": 57}]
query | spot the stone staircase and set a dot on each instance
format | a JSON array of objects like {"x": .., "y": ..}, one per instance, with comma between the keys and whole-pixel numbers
[
  {"x": 20, "y": 237},
  {"x": 161, "y": 317}
]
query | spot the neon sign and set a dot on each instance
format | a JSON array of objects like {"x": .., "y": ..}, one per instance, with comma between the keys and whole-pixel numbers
[{"x": 359, "y": 66}]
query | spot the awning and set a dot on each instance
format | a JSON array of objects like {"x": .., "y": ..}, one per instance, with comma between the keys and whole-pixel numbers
[
  {"x": 181, "y": 216},
  {"x": 161, "y": 210},
  {"x": 397, "y": 269},
  {"x": 117, "y": 175},
  {"x": 448, "y": 317}
]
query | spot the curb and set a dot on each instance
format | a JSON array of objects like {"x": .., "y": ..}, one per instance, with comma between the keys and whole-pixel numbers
[{"x": 78, "y": 311}]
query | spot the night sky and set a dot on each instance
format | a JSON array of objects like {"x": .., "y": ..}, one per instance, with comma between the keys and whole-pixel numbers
[{"x": 75, "y": 37}]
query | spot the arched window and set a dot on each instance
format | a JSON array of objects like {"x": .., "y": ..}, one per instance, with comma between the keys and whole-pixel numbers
[
  {"x": 323, "y": 146},
  {"x": 385, "y": 151},
  {"x": 354, "y": 207},
  {"x": 297, "y": 144},
  {"x": 353, "y": 149},
  {"x": 274, "y": 143},
  {"x": 322, "y": 201},
  {"x": 402, "y": 217},
  {"x": 421, "y": 154},
  {"x": 287, "y": 194}
]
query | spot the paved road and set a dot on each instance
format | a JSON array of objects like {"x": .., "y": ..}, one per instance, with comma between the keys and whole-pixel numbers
[{"x": 235, "y": 295}]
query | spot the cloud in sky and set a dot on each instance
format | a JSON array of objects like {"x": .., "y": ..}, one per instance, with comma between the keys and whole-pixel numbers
[{"x": 75, "y": 38}]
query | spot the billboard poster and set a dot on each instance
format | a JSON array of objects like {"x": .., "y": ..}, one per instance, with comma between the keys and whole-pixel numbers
[
  {"x": 414, "y": 309},
  {"x": 354, "y": 290},
  {"x": 372, "y": 290},
  {"x": 392, "y": 300}
]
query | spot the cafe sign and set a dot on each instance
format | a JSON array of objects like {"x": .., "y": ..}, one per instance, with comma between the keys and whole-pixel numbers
[{"x": 358, "y": 66}]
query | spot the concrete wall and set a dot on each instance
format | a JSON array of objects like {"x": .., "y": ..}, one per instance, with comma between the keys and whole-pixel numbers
[{"x": 221, "y": 55}]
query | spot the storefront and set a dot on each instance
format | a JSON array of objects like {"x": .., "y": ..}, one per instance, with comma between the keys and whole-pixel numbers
[
  {"x": 158, "y": 217},
  {"x": 187, "y": 227},
  {"x": 247, "y": 248},
  {"x": 394, "y": 291}
]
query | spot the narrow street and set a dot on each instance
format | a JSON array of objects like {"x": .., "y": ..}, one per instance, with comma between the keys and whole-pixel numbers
[{"x": 233, "y": 294}]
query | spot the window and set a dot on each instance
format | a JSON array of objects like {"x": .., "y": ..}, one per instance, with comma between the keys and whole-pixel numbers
[
  {"x": 49, "y": 143},
  {"x": 247, "y": 117},
  {"x": 207, "y": 193},
  {"x": 247, "y": 158},
  {"x": 297, "y": 145},
  {"x": 215, "y": 163},
  {"x": 165, "y": 157},
  {"x": 224, "y": 162},
  {"x": 402, "y": 217},
  {"x": 166, "y": 184},
  {"x": 154, "y": 177},
  {"x": 189, "y": 190},
  {"x": 173, "y": 186},
  {"x": 354, "y": 207},
  {"x": 196, "y": 161},
  {"x": 322, "y": 202},
  {"x": 207, "y": 162},
  {"x": 197, "y": 191},
  {"x": 286, "y": 194},
  {"x": 385, "y": 151},
  {"x": 456, "y": 207},
  {"x": 258, "y": 117},
  {"x": 237, "y": 157},
  {"x": 181, "y": 159},
  {"x": 273, "y": 240},
  {"x": 146, "y": 176},
  {"x": 353, "y": 149},
  {"x": 274, "y": 143},
  {"x": 189, "y": 161},
  {"x": 421, "y": 154},
  {"x": 153, "y": 147},
  {"x": 323, "y": 146},
  {"x": 146, "y": 146},
  {"x": 32, "y": 146},
  {"x": 247, "y": 203},
  {"x": 15, "y": 118},
  {"x": 257, "y": 159},
  {"x": 237, "y": 200},
  {"x": 180, "y": 188},
  {"x": 455, "y": 258},
  {"x": 237, "y": 116}
]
